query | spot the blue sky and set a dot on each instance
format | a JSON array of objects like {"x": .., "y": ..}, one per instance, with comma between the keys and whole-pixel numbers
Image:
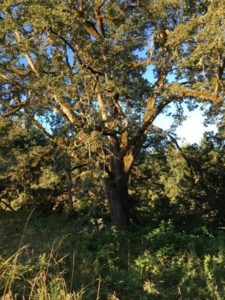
[{"x": 192, "y": 129}]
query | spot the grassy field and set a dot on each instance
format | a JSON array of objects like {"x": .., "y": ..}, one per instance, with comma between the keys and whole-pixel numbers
[{"x": 56, "y": 257}]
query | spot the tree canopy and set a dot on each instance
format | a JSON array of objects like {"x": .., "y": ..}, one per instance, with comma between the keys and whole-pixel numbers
[{"x": 74, "y": 69}]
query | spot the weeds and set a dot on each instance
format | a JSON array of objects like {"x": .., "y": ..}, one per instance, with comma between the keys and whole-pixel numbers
[{"x": 59, "y": 260}]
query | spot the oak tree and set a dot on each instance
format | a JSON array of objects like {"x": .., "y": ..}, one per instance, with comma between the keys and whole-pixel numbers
[{"x": 75, "y": 70}]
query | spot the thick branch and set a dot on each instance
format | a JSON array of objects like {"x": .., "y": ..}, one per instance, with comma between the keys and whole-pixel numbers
[
  {"x": 101, "y": 103},
  {"x": 91, "y": 29},
  {"x": 200, "y": 95},
  {"x": 66, "y": 109},
  {"x": 137, "y": 141},
  {"x": 27, "y": 55},
  {"x": 99, "y": 17}
]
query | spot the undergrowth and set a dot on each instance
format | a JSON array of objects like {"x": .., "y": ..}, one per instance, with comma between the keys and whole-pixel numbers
[{"x": 58, "y": 258}]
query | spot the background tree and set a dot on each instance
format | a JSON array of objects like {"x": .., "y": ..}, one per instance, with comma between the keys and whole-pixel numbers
[
  {"x": 75, "y": 70},
  {"x": 33, "y": 173}
]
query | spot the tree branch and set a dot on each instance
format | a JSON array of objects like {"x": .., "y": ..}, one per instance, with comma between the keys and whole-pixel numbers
[
  {"x": 7, "y": 205},
  {"x": 98, "y": 15},
  {"x": 15, "y": 108}
]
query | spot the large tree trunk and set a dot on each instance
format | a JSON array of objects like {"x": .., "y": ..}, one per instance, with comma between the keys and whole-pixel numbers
[
  {"x": 116, "y": 185},
  {"x": 116, "y": 190}
]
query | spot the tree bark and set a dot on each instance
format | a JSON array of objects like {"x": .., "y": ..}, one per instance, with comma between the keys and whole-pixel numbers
[
  {"x": 116, "y": 184},
  {"x": 116, "y": 190}
]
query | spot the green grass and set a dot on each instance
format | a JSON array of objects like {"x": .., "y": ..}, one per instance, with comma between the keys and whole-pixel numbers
[{"x": 53, "y": 257}]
